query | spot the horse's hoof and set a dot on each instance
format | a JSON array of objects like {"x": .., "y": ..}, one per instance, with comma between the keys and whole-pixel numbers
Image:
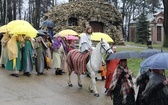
[
  {"x": 97, "y": 95},
  {"x": 70, "y": 85},
  {"x": 91, "y": 91},
  {"x": 80, "y": 85}
]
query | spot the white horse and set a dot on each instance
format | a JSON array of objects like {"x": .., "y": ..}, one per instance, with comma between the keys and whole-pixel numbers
[{"x": 92, "y": 66}]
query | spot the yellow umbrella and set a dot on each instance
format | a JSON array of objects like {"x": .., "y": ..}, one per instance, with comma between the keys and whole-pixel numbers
[
  {"x": 24, "y": 29},
  {"x": 3, "y": 29},
  {"x": 67, "y": 32},
  {"x": 96, "y": 36},
  {"x": 15, "y": 23}
]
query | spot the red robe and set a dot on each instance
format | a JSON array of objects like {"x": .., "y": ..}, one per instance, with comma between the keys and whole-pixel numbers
[{"x": 110, "y": 67}]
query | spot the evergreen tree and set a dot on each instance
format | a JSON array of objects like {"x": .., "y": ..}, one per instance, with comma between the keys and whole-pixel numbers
[{"x": 142, "y": 31}]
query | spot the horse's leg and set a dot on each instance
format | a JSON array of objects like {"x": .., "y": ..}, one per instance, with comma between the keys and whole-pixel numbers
[
  {"x": 79, "y": 81},
  {"x": 93, "y": 83},
  {"x": 69, "y": 81}
]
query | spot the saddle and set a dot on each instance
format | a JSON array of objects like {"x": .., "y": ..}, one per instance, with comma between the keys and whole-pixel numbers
[{"x": 77, "y": 61}]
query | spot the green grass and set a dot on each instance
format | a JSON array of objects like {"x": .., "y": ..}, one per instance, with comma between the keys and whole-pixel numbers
[{"x": 134, "y": 63}]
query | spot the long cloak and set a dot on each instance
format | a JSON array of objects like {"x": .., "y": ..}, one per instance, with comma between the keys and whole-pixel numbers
[
  {"x": 155, "y": 92},
  {"x": 27, "y": 60},
  {"x": 40, "y": 62},
  {"x": 9, "y": 64}
]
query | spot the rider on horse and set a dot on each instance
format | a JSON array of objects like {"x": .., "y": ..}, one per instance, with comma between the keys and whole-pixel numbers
[{"x": 85, "y": 43}]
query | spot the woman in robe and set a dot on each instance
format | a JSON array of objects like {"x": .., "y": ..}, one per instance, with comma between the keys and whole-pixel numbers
[
  {"x": 122, "y": 89},
  {"x": 40, "y": 61},
  {"x": 110, "y": 67},
  {"x": 60, "y": 50},
  {"x": 14, "y": 46},
  {"x": 27, "y": 54},
  {"x": 4, "y": 54},
  {"x": 48, "y": 42}
]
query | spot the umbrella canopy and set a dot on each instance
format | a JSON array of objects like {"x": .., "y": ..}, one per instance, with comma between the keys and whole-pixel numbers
[
  {"x": 96, "y": 36},
  {"x": 24, "y": 29},
  {"x": 124, "y": 55},
  {"x": 48, "y": 23},
  {"x": 67, "y": 32},
  {"x": 149, "y": 52},
  {"x": 70, "y": 37},
  {"x": 42, "y": 32},
  {"x": 157, "y": 61},
  {"x": 15, "y": 23},
  {"x": 3, "y": 29}
]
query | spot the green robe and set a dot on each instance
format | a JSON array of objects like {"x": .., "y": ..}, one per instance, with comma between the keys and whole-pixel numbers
[
  {"x": 27, "y": 60},
  {"x": 40, "y": 62},
  {"x": 9, "y": 63}
]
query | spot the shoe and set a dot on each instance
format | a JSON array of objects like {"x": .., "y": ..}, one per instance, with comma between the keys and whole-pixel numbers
[
  {"x": 3, "y": 66},
  {"x": 38, "y": 74},
  {"x": 41, "y": 73},
  {"x": 15, "y": 75},
  {"x": 56, "y": 72},
  {"x": 26, "y": 74},
  {"x": 60, "y": 72}
]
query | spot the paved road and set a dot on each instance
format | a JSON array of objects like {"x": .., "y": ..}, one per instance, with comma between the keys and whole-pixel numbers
[{"x": 48, "y": 89}]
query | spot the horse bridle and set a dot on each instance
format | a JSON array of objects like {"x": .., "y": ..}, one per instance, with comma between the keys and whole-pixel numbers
[{"x": 104, "y": 48}]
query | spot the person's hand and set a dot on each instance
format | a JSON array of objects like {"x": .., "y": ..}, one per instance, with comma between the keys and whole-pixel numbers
[
  {"x": 126, "y": 70},
  {"x": 165, "y": 82},
  {"x": 127, "y": 75}
]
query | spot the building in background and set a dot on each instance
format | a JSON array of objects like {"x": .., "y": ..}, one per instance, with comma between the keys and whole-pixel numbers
[{"x": 156, "y": 27}]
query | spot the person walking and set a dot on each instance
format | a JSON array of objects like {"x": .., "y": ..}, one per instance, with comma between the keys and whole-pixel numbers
[
  {"x": 14, "y": 46},
  {"x": 156, "y": 91},
  {"x": 110, "y": 67},
  {"x": 141, "y": 82},
  {"x": 40, "y": 49},
  {"x": 27, "y": 56},
  {"x": 59, "y": 50},
  {"x": 4, "y": 55},
  {"x": 122, "y": 89}
]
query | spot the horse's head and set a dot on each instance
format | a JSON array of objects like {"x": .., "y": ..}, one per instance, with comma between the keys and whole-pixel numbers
[{"x": 105, "y": 47}]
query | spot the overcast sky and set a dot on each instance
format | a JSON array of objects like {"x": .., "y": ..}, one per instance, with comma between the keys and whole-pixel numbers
[
  {"x": 62, "y": 1},
  {"x": 25, "y": 5}
]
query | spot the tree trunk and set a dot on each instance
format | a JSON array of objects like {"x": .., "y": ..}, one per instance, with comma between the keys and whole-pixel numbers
[
  {"x": 14, "y": 9},
  {"x": 4, "y": 13},
  {"x": 9, "y": 10},
  {"x": 165, "y": 23},
  {"x": 19, "y": 8},
  {"x": 37, "y": 14},
  {"x": 1, "y": 12}
]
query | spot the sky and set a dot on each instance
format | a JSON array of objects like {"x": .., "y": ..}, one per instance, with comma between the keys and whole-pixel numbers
[
  {"x": 58, "y": 1},
  {"x": 62, "y": 1}
]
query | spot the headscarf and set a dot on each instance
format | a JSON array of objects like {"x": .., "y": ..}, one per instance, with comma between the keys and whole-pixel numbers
[
  {"x": 57, "y": 43},
  {"x": 42, "y": 41}
]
